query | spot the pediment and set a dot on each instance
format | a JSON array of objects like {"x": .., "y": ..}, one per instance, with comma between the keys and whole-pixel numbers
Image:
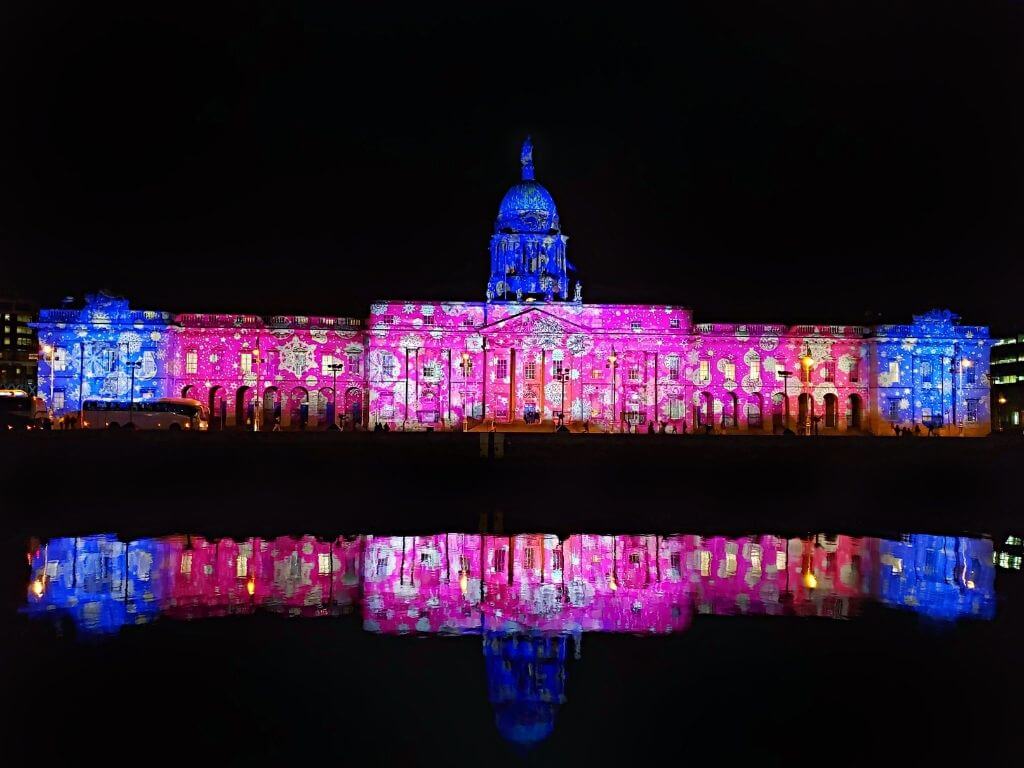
[{"x": 533, "y": 321}]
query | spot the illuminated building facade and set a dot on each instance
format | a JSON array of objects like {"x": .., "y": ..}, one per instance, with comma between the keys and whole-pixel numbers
[
  {"x": 1008, "y": 384},
  {"x": 533, "y": 353}
]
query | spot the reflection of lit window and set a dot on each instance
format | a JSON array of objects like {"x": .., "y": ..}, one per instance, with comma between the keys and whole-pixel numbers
[
  {"x": 705, "y": 562},
  {"x": 324, "y": 563}
]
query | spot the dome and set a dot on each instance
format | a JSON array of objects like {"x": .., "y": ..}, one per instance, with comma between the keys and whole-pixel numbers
[{"x": 527, "y": 207}]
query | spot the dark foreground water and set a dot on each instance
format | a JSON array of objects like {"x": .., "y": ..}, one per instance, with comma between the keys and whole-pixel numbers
[{"x": 460, "y": 648}]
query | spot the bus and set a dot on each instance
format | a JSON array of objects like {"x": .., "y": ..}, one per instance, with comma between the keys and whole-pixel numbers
[
  {"x": 21, "y": 410},
  {"x": 171, "y": 413}
]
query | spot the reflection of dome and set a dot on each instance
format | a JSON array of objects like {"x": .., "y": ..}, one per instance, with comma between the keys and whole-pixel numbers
[
  {"x": 525, "y": 722},
  {"x": 527, "y": 207},
  {"x": 526, "y": 683}
]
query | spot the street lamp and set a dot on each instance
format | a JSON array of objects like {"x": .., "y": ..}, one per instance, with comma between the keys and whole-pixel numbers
[
  {"x": 613, "y": 363},
  {"x": 465, "y": 390},
  {"x": 335, "y": 369},
  {"x": 562, "y": 376},
  {"x": 134, "y": 365},
  {"x": 1002, "y": 412},
  {"x": 785, "y": 388}
]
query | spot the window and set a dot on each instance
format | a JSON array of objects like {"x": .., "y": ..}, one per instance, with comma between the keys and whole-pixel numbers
[
  {"x": 557, "y": 562},
  {"x": 730, "y": 370},
  {"x": 855, "y": 370},
  {"x": 673, "y": 367},
  {"x": 463, "y": 564},
  {"x": 466, "y": 366},
  {"x": 387, "y": 365},
  {"x": 326, "y": 361},
  {"x": 755, "y": 369},
  {"x": 431, "y": 370},
  {"x": 635, "y": 326},
  {"x": 58, "y": 399},
  {"x": 972, "y": 411},
  {"x": 528, "y": 557},
  {"x": 828, "y": 370},
  {"x": 324, "y": 564},
  {"x": 634, "y": 558},
  {"x": 673, "y": 323},
  {"x": 355, "y": 363},
  {"x": 969, "y": 375},
  {"x": 634, "y": 373},
  {"x": 186, "y": 562},
  {"x": 595, "y": 373},
  {"x": 191, "y": 361},
  {"x": 530, "y": 370},
  {"x": 675, "y": 408},
  {"x": 241, "y": 566},
  {"x": 926, "y": 372},
  {"x": 894, "y": 409},
  {"x": 1016, "y": 418},
  {"x": 382, "y": 565},
  {"x": 499, "y": 560},
  {"x": 428, "y": 319},
  {"x": 246, "y": 362},
  {"x": 557, "y": 369},
  {"x": 894, "y": 372},
  {"x": 705, "y": 371},
  {"x": 395, "y": 319},
  {"x": 502, "y": 367},
  {"x": 59, "y": 358}
]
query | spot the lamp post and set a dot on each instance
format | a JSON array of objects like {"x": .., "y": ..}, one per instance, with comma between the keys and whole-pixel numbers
[
  {"x": 134, "y": 365},
  {"x": 785, "y": 388},
  {"x": 1001, "y": 421},
  {"x": 562, "y": 376},
  {"x": 613, "y": 363},
  {"x": 335, "y": 368},
  {"x": 465, "y": 391}
]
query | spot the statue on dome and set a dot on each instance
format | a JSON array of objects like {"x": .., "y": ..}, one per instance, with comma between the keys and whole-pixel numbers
[
  {"x": 526, "y": 158},
  {"x": 490, "y": 294},
  {"x": 578, "y": 295}
]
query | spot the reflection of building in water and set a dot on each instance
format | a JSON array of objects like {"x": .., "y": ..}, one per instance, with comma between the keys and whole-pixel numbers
[{"x": 528, "y": 596}]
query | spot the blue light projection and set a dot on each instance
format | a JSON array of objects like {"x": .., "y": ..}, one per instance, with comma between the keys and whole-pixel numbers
[
  {"x": 95, "y": 349},
  {"x": 99, "y": 583},
  {"x": 933, "y": 371},
  {"x": 527, "y": 248},
  {"x": 941, "y": 577}
]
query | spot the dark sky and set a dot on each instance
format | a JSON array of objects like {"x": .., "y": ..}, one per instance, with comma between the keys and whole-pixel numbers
[{"x": 755, "y": 161}]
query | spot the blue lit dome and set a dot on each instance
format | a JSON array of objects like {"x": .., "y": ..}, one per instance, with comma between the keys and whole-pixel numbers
[{"x": 527, "y": 207}]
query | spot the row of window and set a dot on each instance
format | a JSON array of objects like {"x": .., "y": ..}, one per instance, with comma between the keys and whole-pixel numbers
[{"x": 971, "y": 415}]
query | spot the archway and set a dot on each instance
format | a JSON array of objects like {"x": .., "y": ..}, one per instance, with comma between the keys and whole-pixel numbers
[
  {"x": 354, "y": 407},
  {"x": 244, "y": 408},
  {"x": 755, "y": 411},
  {"x": 271, "y": 416},
  {"x": 780, "y": 411},
  {"x": 298, "y": 408},
  {"x": 218, "y": 408},
  {"x": 324, "y": 410},
  {"x": 855, "y": 415},
  {"x": 730, "y": 410},
  {"x": 703, "y": 413},
  {"x": 805, "y": 412},
  {"x": 831, "y": 410}
]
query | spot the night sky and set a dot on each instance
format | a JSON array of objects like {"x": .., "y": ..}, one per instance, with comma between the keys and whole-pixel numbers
[{"x": 757, "y": 162}]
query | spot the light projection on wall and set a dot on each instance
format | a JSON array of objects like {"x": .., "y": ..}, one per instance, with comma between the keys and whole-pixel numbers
[
  {"x": 530, "y": 598},
  {"x": 531, "y": 352}
]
